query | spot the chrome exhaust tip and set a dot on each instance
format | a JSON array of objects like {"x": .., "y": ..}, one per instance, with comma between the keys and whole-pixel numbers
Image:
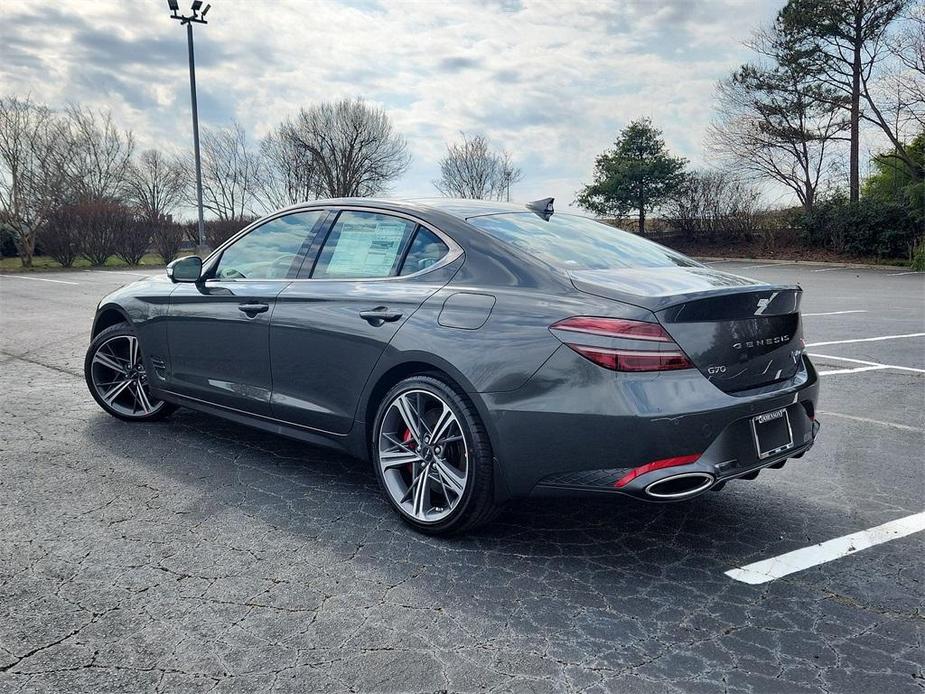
[{"x": 680, "y": 486}]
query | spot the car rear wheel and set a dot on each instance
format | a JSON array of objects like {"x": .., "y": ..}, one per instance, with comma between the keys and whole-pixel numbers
[
  {"x": 432, "y": 457},
  {"x": 115, "y": 373}
]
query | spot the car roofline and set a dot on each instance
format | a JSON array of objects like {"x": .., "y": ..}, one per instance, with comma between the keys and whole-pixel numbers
[{"x": 460, "y": 208}]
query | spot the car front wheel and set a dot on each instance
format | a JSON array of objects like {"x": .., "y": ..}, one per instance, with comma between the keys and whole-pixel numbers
[
  {"x": 432, "y": 457},
  {"x": 116, "y": 376}
]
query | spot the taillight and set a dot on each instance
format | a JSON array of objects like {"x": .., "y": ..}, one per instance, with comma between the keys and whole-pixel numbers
[
  {"x": 667, "y": 356},
  {"x": 656, "y": 465},
  {"x": 614, "y": 327}
]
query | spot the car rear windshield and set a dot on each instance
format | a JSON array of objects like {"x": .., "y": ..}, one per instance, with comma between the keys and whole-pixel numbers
[{"x": 572, "y": 242}]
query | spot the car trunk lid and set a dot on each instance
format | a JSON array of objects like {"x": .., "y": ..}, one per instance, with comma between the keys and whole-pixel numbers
[{"x": 738, "y": 332}]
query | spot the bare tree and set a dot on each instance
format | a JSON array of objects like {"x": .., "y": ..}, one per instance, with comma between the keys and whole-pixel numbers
[
  {"x": 104, "y": 223},
  {"x": 893, "y": 100},
  {"x": 714, "y": 205},
  {"x": 217, "y": 231},
  {"x": 101, "y": 153},
  {"x": 166, "y": 239},
  {"x": 32, "y": 180},
  {"x": 133, "y": 239},
  {"x": 61, "y": 234},
  {"x": 776, "y": 120},
  {"x": 908, "y": 49},
  {"x": 155, "y": 185},
  {"x": 353, "y": 148},
  {"x": 287, "y": 174},
  {"x": 229, "y": 173},
  {"x": 898, "y": 101},
  {"x": 843, "y": 41},
  {"x": 472, "y": 170}
]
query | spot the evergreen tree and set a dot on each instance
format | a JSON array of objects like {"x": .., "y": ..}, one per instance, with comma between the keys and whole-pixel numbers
[{"x": 637, "y": 174}]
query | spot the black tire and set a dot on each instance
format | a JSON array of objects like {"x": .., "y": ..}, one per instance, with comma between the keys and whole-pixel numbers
[
  {"x": 120, "y": 408},
  {"x": 476, "y": 505}
]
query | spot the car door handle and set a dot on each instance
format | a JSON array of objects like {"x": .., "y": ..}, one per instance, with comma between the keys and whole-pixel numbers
[
  {"x": 380, "y": 315},
  {"x": 253, "y": 309}
]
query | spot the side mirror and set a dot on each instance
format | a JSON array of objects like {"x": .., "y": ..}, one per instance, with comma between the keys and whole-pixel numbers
[{"x": 187, "y": 269}]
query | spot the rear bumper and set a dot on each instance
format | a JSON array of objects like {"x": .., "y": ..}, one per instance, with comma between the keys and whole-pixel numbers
[
  {"x": 576, "y": 428},
  {"x": 711, "y": 471}
]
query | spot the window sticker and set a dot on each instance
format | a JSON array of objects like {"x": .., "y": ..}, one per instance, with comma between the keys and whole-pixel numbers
[{"x": 365, "y": 249}]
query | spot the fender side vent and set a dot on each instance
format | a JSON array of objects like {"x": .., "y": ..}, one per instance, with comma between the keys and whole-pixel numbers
[{"x": 160, "y": 367}]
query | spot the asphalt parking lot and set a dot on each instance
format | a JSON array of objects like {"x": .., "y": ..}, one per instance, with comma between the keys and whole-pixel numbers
[{"x": 196, "y": 555}]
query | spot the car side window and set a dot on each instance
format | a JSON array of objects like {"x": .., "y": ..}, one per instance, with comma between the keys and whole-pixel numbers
[
  {"x": 267, "y": 252},
  {"x": 426, "y": 249},
  {"x": 363, "y": 245}
]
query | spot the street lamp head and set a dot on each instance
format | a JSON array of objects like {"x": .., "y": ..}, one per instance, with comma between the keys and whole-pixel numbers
[{"x": 197, "y": 15}]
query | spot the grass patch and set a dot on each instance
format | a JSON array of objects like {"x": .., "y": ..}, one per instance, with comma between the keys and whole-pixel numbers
[{"x": 44, "y": 263}]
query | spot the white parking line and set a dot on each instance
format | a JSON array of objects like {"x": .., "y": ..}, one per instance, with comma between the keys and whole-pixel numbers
[
  {"x": 752, "y": 267},
  {"x": 808, "y": 557},
  {"x": 852, "y": 371},
  {"x": 37, "y": 279},
  {"x": 873, "y": 364},
  {"x": 892, "y": 425},
  {"x": 899, "y": 274},
  {"x": 864, "y": 339},
  {"x": 832, "y": 313},
  {"x": 122, "y": 272},
  {"x": 832, "y": 269}
]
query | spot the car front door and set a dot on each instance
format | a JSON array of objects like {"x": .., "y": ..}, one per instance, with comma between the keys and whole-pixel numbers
[
  {"x": 331, "y": 325},
  {"x": 218, "y": 328}
]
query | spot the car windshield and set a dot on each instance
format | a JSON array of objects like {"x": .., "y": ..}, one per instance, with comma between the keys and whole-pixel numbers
[{"x": 572, "y": 242}]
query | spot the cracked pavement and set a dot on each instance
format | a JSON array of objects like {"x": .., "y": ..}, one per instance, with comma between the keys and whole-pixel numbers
[{"x": 196, "y": 555}]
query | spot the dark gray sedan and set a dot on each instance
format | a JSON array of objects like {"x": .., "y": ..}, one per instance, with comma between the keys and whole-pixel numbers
[{"x": 472, "y": 351}]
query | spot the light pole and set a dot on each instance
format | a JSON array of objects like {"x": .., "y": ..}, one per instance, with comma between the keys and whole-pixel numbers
[{"x": 199, "y": 18}]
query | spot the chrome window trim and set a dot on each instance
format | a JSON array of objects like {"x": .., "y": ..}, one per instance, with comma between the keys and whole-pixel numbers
[
  {"x": 455, "y": 250},
  {"x": 219, "y": 280}
]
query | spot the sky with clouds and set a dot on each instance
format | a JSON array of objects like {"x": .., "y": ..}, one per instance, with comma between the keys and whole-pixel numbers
[{"x": 551, "y": 81}]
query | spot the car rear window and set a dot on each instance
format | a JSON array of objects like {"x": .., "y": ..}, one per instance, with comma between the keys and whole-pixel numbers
[
  {"x": 572, "y": 242},
  {"x": 426, "y": 250}
]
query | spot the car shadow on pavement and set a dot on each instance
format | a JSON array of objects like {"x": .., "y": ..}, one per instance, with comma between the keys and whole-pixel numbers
[
  {"x": 309, "y": 489},
  {"x": 297, "y": 546}
]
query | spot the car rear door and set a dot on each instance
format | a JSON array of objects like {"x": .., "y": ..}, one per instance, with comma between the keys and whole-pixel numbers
[
  {"x": 218, "y": 328},
  {"x": 370, "y": 272}
]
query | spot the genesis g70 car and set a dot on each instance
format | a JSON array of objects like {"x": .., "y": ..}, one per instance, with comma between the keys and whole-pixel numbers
[{"x": 472, "y": 351}]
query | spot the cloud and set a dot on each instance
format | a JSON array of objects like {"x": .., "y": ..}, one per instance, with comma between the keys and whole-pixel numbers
[
  {"x": 506, "y": 76},
  {"x": 551, "y": 82},
  {"x": 458, "y": 63}
]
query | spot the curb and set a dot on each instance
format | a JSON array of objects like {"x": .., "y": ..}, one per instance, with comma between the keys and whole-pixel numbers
[{"x": 779, "y": 261}]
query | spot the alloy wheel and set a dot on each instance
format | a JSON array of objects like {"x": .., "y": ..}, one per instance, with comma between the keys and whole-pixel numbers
[
  {"x": 118, "y": 375},
  {"x": 423, "y": 455}
]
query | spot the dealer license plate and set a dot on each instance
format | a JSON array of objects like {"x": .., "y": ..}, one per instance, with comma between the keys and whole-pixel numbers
[{"x": 772, "y": 433}]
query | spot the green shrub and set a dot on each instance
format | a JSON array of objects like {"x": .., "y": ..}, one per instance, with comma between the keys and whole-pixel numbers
[
  {"x": 918, "y": 258},
  {"x": 870, "y": 227}
]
